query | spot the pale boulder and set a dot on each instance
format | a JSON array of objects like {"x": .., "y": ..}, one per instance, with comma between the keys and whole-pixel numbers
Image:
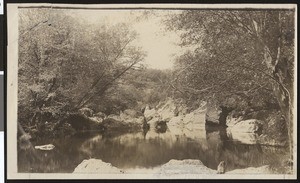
[
  {"x": 247, "y": 126},
  {"x": 96, "y": 166}
]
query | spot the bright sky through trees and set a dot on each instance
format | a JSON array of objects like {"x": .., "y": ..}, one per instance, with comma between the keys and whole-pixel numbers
[{"x": 159, "y": 45}]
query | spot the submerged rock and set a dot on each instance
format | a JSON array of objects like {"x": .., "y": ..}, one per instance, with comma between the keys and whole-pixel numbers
[{"x": 46, "y": 147}]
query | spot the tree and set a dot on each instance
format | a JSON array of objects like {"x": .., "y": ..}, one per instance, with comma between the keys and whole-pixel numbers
[
  {"x": 66, "y": 63},
  {"x": 247, "y": 55}
]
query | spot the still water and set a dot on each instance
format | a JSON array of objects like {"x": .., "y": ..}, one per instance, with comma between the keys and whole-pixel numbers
[{"x": 147, "y": 150}]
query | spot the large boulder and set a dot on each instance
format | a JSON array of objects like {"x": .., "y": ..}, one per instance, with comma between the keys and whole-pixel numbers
[
  {"x": 247, "y": 126},
  {"x": 269, "y": 124},
  {"x": 168, "y": 110},
  {"x": 96, "y": 166}
]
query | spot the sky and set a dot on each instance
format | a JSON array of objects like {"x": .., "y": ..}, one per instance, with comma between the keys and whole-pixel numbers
[{"x": 159, "y": 44}]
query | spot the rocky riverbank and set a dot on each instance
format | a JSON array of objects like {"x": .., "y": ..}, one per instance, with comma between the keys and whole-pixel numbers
[
  {"x": 254, "y": 127},
  {"x": 169, "y": 169}
]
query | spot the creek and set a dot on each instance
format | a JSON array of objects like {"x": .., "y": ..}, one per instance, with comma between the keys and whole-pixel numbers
[{"x": 147, "y": 150}]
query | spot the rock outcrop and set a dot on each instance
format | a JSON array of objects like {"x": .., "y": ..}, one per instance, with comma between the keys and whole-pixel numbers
[
  {"x": 168, "y": 110},
  {"x": 175, "y": 116}
]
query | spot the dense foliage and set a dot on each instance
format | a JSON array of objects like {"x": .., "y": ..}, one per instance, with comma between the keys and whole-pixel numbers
[
  {"x": 66, "y": 64},
  {"x": 240, "y": 59}
]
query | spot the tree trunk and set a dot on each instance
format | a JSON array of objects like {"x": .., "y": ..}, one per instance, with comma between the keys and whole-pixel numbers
[
  {"x": 283, "y": 94},
  {"x": 277, "y": 66}
]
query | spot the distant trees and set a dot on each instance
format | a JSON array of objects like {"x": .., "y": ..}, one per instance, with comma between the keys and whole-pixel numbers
[
  {"x": 65, "y": 63},
  {"x": 237, "y": 58}
]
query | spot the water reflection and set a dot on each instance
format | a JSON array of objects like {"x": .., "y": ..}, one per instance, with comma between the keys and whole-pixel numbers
[{"x": 147, "y": 150}]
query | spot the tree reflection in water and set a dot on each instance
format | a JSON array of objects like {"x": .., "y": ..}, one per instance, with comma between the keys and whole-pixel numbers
[{"x": 148, "y": 150}]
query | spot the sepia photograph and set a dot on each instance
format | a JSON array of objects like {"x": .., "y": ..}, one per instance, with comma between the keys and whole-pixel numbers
[{"x": 160, "y": 91}]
